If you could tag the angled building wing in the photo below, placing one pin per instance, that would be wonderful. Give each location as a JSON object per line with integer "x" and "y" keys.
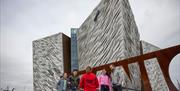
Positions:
{"x": 51, "y": 58}
{"x": 107, "y": 35}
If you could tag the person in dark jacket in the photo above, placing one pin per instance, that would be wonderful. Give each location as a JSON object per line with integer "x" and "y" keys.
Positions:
{"x": 89, "y": 81}
{"x": 117, "y": 78}
{"x": 62, "y": 84}
{"x": 74, "y": 80}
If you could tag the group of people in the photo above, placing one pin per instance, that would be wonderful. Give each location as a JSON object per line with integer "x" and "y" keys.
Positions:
{"x": 90, "y": 82}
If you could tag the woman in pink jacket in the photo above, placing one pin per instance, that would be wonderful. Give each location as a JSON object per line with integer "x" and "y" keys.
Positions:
{"x": 105, "y": 81}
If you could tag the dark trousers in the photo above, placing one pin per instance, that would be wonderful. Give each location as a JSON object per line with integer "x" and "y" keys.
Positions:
{"x": 73, "y": 89}
{"x": 117, "y": 88}
{"x": 104, "y": 88}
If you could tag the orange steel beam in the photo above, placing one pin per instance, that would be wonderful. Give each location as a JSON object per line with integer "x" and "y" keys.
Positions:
{"x": 164, "y": 57}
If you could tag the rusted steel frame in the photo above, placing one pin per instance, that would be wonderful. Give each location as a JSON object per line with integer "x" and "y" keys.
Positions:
{"x": 164, "y": 57}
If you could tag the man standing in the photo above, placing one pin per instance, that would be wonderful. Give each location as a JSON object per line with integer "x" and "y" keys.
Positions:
{"x": 117, "y": 78}
{"x": 62, "y": 84}
{"x": 89, "y": 81}
{"x": 74, "y": 81}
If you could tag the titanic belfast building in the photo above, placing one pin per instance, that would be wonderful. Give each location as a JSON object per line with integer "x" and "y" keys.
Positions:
{"x": 107, "y": 35}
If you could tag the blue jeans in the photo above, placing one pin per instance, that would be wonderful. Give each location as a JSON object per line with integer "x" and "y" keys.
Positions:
{"x": 73, "y": 89}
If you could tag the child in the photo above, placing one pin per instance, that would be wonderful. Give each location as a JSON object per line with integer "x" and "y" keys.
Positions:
{"x": 89, "y": 81}
{"x": 104, "y": 81}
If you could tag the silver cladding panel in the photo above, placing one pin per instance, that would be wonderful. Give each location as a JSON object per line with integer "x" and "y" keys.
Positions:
{"x": 47, "y": 62}
{"x": 153, "y": 69}
{"x": 109, "y": 34}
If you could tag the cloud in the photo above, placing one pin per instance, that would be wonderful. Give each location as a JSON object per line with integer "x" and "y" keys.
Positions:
{"x": 23, "y": 21}
{"x": 157, "y": 19}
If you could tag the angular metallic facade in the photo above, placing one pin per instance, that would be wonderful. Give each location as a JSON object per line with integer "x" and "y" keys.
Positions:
{"x": 153, "y": 69}
{"x": 110, "y": 34}
{"x": 51, "y": 57}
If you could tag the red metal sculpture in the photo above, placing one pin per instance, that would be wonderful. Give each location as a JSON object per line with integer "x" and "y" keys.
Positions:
{"x": 164, "y": 57}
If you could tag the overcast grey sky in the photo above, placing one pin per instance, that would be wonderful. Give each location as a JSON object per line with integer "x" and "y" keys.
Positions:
{"x": 22, "y": 21}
